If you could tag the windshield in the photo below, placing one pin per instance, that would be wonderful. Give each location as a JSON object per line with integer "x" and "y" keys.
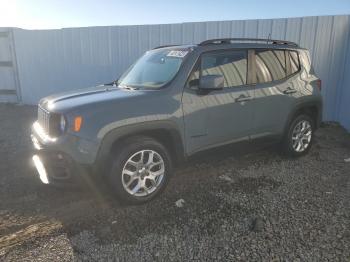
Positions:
{"x": 154, "y": 69}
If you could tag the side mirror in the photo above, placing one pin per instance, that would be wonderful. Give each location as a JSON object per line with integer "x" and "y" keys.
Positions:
{"x": 211, "y": 82}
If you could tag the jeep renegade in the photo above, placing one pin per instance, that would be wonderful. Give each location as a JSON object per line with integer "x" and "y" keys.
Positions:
{"x": 174, "y": 102}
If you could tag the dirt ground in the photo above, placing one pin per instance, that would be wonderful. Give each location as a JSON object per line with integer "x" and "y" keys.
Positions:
{"x": 246, "y": 205}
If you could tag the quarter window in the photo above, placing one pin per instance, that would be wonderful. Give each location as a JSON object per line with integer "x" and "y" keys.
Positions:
{"x": 231, "y": 65}
{"x": 294, "y": 61}
{"x": 270, "y": 65}
{"x": 193, "y": 81}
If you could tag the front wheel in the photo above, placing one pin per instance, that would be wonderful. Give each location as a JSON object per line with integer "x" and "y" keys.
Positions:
{"x": 299, "y": 136}
{"x": 140, "y": 170}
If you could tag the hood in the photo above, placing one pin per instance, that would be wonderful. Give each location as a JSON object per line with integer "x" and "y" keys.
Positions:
{"x": 69, "y": 100}
{"x": 76, "y": 93}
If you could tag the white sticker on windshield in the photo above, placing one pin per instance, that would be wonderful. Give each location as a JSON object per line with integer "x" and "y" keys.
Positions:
{"x": 177, "y": 53}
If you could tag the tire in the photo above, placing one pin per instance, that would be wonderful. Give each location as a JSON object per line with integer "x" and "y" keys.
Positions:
{"x": 127, "y": 167}
{"x": 290, "y": 144}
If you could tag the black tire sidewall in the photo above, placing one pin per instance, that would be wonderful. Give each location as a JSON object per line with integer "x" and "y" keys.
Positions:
{"x": 119, "y": 159}
{"x": 288, "y": 142}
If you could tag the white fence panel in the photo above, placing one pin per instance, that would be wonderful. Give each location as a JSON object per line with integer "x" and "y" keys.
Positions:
{"x": 51, "y": 61}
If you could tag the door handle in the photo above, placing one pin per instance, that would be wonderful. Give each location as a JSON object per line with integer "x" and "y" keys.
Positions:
{"x": 243, "y": 98}
{"x": 289, "y": 90}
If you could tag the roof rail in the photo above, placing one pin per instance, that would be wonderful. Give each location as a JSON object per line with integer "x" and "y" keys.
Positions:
{"x": 230, "y": 40}
{"x": 161, "y": 46}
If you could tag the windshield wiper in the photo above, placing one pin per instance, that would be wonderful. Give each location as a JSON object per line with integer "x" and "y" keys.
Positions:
{"x": 128, "y": 87}
{"x": 114, "y": 83}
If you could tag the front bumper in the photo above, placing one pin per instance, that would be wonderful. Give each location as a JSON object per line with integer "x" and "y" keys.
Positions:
{"x": 54, "y": 167}
{"x": 52, "y": 162}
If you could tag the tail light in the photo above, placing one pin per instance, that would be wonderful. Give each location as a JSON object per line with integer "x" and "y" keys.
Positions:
{"x": 319, "y": 84}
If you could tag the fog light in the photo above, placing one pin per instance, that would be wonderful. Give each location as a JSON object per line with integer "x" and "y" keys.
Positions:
{"x": 41, "y": 169}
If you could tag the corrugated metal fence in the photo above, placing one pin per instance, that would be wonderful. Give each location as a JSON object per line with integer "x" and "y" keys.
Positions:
{"x": 9, "y": 88}
{"x": 50, "y": 61}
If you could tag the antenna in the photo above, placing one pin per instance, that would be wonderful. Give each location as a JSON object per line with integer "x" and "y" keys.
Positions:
{"x": 268, "y": 38}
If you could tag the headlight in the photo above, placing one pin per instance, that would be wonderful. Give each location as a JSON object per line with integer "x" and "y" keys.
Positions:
{"x": 62, "y": 124}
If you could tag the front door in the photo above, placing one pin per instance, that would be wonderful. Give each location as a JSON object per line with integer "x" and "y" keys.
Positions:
{"x": 219, "y": 116}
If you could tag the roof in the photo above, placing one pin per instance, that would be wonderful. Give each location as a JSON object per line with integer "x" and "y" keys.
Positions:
{"x": 248, "y": 45}
{"x": 226, "y": 43}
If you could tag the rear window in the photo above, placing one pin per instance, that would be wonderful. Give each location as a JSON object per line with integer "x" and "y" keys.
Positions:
{"x": 270, "y": 65}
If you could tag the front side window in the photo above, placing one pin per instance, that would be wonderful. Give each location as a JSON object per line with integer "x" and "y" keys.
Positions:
{"x": 231, "y": 65}
{"x": 154, "y": 69}
{"x": 270, "y": 65}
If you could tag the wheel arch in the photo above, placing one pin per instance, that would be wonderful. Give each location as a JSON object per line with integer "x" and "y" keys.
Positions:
{"x": 312, "y": 109}
{"x": 164, "y": 132}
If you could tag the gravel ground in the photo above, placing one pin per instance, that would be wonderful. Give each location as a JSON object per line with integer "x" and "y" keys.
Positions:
{"x": 254, "y": 206}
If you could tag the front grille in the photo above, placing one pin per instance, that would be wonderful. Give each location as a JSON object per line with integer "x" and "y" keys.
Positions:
{"x": 44, "y": 119}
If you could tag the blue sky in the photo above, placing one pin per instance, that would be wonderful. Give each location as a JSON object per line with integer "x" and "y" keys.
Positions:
{"x": 43, "y": 14}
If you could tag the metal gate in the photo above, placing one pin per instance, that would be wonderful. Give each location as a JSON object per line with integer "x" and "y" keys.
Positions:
{"x": 9, "y": 85}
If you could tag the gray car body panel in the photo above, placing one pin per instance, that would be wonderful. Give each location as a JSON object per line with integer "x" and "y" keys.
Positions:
{"x": 196, "y": 121}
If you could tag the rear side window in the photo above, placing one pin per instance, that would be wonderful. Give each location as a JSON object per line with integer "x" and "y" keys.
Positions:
{"x": 231, "y": 65}
{"x": 270, "y": 65}
{"x": 294, "y": 61}
{"x": 305, "y": 61}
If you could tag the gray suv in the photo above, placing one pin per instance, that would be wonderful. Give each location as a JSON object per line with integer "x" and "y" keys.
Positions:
{"x": 172, "y": 103}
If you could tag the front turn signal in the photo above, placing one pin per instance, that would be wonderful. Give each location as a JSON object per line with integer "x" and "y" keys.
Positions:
{"x": 78, "y": 120}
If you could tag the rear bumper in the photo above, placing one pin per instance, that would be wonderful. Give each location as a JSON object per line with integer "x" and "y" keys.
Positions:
{"x": 319, "y": 116}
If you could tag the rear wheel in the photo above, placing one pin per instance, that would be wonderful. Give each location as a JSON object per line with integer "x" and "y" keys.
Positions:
{"x": 140, "y": 170}
{"x": 299, "y": 136}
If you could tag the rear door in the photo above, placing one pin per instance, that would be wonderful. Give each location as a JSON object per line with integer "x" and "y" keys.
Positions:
{"x": 276, "y": 90}
{"x": 220, "y": 116}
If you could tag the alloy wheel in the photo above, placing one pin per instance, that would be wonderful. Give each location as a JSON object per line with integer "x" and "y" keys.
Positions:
{"x": 143, "y": 173}
{"x": 301, "y": 136}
